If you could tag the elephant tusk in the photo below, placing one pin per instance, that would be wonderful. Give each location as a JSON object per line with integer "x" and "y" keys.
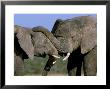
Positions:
{"x": 68, "y": 54}
{"x": 54, "y": 62}
{"x": 55, "y": 56}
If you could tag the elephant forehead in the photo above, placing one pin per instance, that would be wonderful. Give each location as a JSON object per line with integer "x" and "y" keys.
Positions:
{"x": 43, "y": 44}
{"x": 63, "y": 29}
{"x": 68, "y": 28}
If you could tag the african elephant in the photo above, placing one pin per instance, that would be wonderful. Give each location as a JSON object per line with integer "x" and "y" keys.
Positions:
{"x": 78, "y": 36}
{"x": 33, "y": 42}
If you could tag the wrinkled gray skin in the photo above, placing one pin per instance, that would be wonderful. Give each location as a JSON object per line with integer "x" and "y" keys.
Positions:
{"x": 78, "y": 36}
{"x": 33, "y": 42}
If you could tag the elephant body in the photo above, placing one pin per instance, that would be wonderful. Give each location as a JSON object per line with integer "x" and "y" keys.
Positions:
{"x": 79, "y": 33}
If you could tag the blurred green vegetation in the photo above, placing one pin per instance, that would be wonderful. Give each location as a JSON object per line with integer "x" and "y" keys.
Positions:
{"x": 36, "y": 66}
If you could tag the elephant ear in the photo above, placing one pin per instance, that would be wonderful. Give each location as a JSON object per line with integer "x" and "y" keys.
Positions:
{"x": 24, "y": 40}
{"x": 89, "y": 36}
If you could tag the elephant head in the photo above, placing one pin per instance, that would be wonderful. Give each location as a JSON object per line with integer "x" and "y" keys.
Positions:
{"x": 37, "y": 41}
{"x": 44, "y": 42}
{"x": 78, "y": 36}
{"x": 77, "y": 32}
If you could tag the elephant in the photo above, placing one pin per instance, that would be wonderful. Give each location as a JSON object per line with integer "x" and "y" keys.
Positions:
{"x": 78, "y": 38}
{"x": 34, "y": 42}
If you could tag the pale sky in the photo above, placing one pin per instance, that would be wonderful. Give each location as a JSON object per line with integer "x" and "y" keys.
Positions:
{"x": 46, "y": 20}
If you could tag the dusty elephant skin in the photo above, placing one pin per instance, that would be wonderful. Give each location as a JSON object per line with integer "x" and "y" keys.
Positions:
{"x": 78, "y": 33}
